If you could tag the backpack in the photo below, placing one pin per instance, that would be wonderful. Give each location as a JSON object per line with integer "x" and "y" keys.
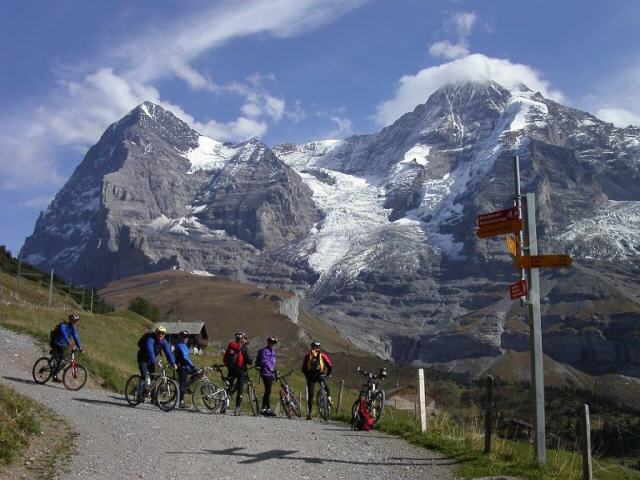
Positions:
{"x": 53, "y": 334}
{"x": 143, "y": 340}
{"x": 362, "y": 418}
{"x": 233, "y": 357}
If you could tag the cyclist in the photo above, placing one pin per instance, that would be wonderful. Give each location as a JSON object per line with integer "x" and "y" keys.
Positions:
{"x": 236, "y": 358}
{"x": 60, "y": 338}
{"x": 185, "y": 365}
{"x": 266, "y": 360}
{"x": 316, "y": 366}
{"x": 149, "y": 346}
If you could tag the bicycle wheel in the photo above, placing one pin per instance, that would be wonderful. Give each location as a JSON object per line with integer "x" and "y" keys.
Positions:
{"x": 167, "y": 393}
{"x": 42, "y": 370}
{"x": 74, "y": 377}
{"x": 355, "y": 415}
{"x": 253, "y": 400}
{"x": 132, "y": 392}
{"x": 295, "y": 405}
{"x": 377, "y": 405}
{"x": 206, "y": 397}
{"x": 323, "y": 404}
{"x": 286, "y": 404}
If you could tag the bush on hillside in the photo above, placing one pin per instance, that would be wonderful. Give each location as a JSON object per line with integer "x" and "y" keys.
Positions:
{"x": 144, "y": 307}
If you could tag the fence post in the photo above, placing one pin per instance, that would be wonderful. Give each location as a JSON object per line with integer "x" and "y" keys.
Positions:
{"x": 488, "y": 414}
{"x": 422, "y": 401}
{"x": 585, "y": 437}
{"x": 18, "y": 277}
{"x": 91, "y": 308}
{"x": 50, "y": 287}
{"x": 340, "y": 396}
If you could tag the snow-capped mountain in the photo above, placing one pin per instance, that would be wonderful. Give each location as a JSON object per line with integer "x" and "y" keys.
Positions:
{"x": 377, "y": 232}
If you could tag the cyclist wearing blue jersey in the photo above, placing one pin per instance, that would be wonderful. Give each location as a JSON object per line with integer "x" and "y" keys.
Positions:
{"x": 60, "y": 338}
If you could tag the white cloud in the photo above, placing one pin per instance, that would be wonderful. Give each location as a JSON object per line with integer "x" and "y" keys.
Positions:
{"x": 448, "y": 50}
{"x": 344, "y": 128}
{"x": 416, "y": 89}
{"x": 461, "y": 24}
{"x": 464, "y": 22}
{"x": 618, "y": 116}
{"x": 75, "y": 114}
{"x": 241, "y": 129}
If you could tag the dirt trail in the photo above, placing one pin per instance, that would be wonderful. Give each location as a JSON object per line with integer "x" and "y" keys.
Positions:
{"x": 116, "y": 441}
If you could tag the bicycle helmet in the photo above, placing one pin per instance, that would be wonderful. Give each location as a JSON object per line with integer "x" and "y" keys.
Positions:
{"x": 315, "y": 344}
{"x": 184, "y": 333}
{"x": 383, "y": 372}
{"x": 161, "y": 329}
{"x": 73, "y": 317}
{"x": 272, "y": 339}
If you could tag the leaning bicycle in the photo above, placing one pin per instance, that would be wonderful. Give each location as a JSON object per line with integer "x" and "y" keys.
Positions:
{"x": 288, "y": 400}
{"x": 74, "y": 374}
{"x": 207, "y": 396}
{"x": 373, "y": 395}
{"x": 164, "y": 391}
{"x": 322, "y": 399}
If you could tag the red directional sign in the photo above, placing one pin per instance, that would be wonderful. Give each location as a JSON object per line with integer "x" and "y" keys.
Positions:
{"x": 498, "y": 216}
{"x": 501, "y": 228}
{"x": 518, "y": 289}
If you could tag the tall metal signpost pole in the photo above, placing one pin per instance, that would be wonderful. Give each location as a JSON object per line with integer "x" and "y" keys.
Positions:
{"x": 535, "y": 323}
{"x": 522, "y": 242}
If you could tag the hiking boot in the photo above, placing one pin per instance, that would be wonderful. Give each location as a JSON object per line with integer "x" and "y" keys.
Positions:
{"x": 183, "y": 405}
{"x": 272, "y": 413}
{"x": 56, "y": 380}
{"x": 309, "y": 416}
{"x": 236, "y": 412}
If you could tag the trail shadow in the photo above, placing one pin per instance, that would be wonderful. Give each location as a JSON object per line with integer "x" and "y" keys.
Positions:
{"x": 27, "y": 381}
{"x": 290, "y": 455}
{"x": 122, "y": 403}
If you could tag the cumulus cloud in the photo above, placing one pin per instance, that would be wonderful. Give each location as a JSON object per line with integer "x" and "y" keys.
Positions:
{"x": 75, "y": 114}
{"x": 618, "y": 116}
{"x": 344, "y": 127}
{"x": 460, "y": 25}
{"x": 416, "y": 89}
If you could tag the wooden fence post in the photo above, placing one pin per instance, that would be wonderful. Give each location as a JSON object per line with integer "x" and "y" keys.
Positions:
{"x": 585, "y": 441}
{"x": 488, "y": 414}
{"x": 340, "y": 396}
{"x": 422, "y": 401}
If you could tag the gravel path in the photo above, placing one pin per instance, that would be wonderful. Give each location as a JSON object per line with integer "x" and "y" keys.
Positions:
{"x": 116, "y": 441}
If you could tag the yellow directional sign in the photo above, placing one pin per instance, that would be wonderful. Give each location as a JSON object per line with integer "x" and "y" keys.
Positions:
{"x": 512, "y": 245}
{"x": 543, "y": 261}
{"x": 502, "y": 228}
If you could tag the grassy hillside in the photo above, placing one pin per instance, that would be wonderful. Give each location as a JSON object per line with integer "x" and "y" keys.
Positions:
{"x": 227, "y": 307}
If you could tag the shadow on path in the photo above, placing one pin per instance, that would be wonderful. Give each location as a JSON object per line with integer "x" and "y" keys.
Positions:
{"x": 289, "y": 455}
{"x": 27, "y": 381}
{"x": 103, "y": 402}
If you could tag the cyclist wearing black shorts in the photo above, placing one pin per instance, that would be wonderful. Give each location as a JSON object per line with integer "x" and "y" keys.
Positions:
{"x": 186, "y": 367}
{"x": 60, "y": 338}
{"x": 149, "y": 346}
{"x": 316, "y": 366}
{"x": 236, "y": 358}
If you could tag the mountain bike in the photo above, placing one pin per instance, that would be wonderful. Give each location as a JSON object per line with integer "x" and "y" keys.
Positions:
{"x": 288, "y": 400}
{"x": 207, "y": 397}
{"x": 163, "y": 390}
{"x": 251, "y": 390}
{"x": 74, "y": 374}
{"x": 322, "y": 399}
{"x": 373, "y": 395}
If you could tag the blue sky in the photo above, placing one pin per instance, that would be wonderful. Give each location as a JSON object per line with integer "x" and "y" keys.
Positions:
{"x": 281, "y": 70}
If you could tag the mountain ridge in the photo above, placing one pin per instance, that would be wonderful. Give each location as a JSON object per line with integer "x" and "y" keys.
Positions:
{"x": 378, "y": 230}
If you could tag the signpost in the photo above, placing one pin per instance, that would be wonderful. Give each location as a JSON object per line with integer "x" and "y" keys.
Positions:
{"x": 512, "y": 244}
{"x": 543, "y": 261}
{"x": 501, "y": 228}
{"x": 498, "y": 216}
{"x": 518, "y": 289}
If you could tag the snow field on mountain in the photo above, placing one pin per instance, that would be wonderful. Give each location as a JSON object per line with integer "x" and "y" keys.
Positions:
{"x": 613, "y": 233}
{"x": 353, "y": 210}
{"x": 209, "y": 154}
